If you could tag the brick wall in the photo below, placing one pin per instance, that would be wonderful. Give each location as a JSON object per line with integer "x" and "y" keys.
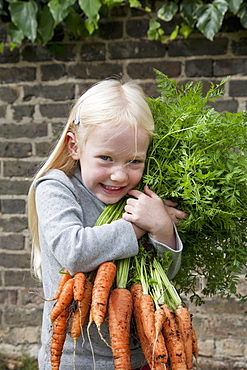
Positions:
{"x": 37, "y": 87}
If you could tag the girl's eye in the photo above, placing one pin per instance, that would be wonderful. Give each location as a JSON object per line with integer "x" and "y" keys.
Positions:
{"x": 135, "y": 161}
{"x": 105, "y": 158}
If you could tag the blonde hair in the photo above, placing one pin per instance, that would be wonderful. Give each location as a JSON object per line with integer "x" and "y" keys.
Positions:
{"x": 108, "y": 102}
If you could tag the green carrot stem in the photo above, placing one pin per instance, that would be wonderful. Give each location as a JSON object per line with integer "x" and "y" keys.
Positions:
{"x": 61, "y": 271}
{"x": 111, "y": 213}
{"x": 122, "y": 272}
{"x": 176, "y": 300}
{"x": 144, "y": 277}
{"x": 161, "y": 294}
{"x": 157, "y": 288}
{"x": 140, "y": 272}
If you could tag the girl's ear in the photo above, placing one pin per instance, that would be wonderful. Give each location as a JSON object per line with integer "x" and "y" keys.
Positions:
{"x": 72, "y": 146}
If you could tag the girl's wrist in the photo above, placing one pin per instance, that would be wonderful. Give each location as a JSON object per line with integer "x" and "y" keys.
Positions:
{"x": 138, "y": 231}
{"x": 167, "y": 238}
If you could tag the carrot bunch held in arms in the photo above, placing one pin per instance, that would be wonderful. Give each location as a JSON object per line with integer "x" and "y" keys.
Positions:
{"x": 164, "y": 326}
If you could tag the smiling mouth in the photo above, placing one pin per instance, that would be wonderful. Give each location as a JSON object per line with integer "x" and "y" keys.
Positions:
{"x": 112, "y": 189}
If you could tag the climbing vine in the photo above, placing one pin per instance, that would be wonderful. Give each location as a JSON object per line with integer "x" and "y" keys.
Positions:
{"x": 37, "y": 20}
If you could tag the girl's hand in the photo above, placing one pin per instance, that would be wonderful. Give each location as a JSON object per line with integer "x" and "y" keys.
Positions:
{"x": 148, "y": 212}
{"x": 174, "y": 213}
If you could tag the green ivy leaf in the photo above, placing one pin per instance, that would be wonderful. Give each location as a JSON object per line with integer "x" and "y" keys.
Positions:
{"x": 74, "y": 22}
{"x": 60, "y": 9}
{"x": 135, "y": 4}
{"x": 91, "y": 9}
{"x": 174, "y": 33}
{"x": 12, "y": 45}
{"x": 92, "y": 24}
{"x": 188, "y": 9}
{"x": 234, "y": 5}
{"x": 1, "y": 47}
{"x": 16, "y": 34}
{"x": 46, "y": 24}
{"x": 111, "y": 3}
{"x": 243, "y": 15}
{"x": 185, "y": 31}
{"x": 23, "y": 15}
{"x": 167, "y": 11}
{"x": 210, "y": 17}
{"x": 153, "y": 31}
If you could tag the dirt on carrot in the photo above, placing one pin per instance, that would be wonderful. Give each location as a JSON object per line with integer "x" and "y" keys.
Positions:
{"x": 156, "y": 339}
{"x": 137, "y": 291}
{"x": 101, "y": 288}
{"x": 60, "y": 326}
{"x": 183, "y": 319}
{"x": 75, "y": 325}
{"x": 85, "y": 304}
{"x": 173, "y": 339}
{"x": 194, "y": 344}
{"x": 64, "y": 300}
{"x": 79, "y": 284}
{"x": 119, "y": 319}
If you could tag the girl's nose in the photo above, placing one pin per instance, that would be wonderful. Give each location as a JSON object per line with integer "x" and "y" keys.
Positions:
{"x": 119, "y": 174}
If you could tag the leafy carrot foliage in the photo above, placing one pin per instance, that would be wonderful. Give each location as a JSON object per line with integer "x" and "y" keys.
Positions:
{"x": 198, "y": 158}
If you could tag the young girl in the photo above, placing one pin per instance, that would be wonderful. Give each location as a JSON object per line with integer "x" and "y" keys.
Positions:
{"x": 99, "y": 159}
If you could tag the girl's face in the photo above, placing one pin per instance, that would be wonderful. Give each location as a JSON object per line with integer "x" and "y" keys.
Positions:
{"x": 112, "y": 161}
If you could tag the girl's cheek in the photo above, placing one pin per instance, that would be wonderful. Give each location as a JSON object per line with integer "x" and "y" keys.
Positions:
{"x": 137, "y": 176}
{"x": 103, "y": 174}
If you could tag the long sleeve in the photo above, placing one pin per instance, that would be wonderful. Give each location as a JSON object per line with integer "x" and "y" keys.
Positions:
{"x": 175, "y": 254}
{"x": 66, "y": 231}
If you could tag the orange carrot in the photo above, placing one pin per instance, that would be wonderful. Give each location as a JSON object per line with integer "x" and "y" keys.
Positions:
{"x": 147, "y": 313}
{"x": 79, "y": 316}
{"x": 173, "y": 341}
{"x": 84, "y": 304}
{"x": 79, "y": 282}
{"x": 119, "y": 319}
{"x": 183, "y": 318}
{"x": 75, "y": 325}
{"x": 58, "y": 338}
{"x": 136, "y": 291}
{"x": 102, "y": 284}
{"x": 64, "y": 277}
{"x": 159, "y": 319}
{"x": 194, "y": 344}
{"x": 64, "y": 300}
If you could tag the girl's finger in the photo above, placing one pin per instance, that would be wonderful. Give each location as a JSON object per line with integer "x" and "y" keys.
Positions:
{"x": 175, "y": 213}
{"x": 128, "y": 208}
{"x": 170, "y": 203}
{"x": 181, "y": 214}
{"x": 135, "y": 193}
{"x": 150, "y": 192}
{"x": 131, "y": 201}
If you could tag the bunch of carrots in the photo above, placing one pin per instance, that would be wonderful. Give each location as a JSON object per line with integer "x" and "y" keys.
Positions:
{"x": 70, "y": 312}
{"x": 131, "y": 289}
